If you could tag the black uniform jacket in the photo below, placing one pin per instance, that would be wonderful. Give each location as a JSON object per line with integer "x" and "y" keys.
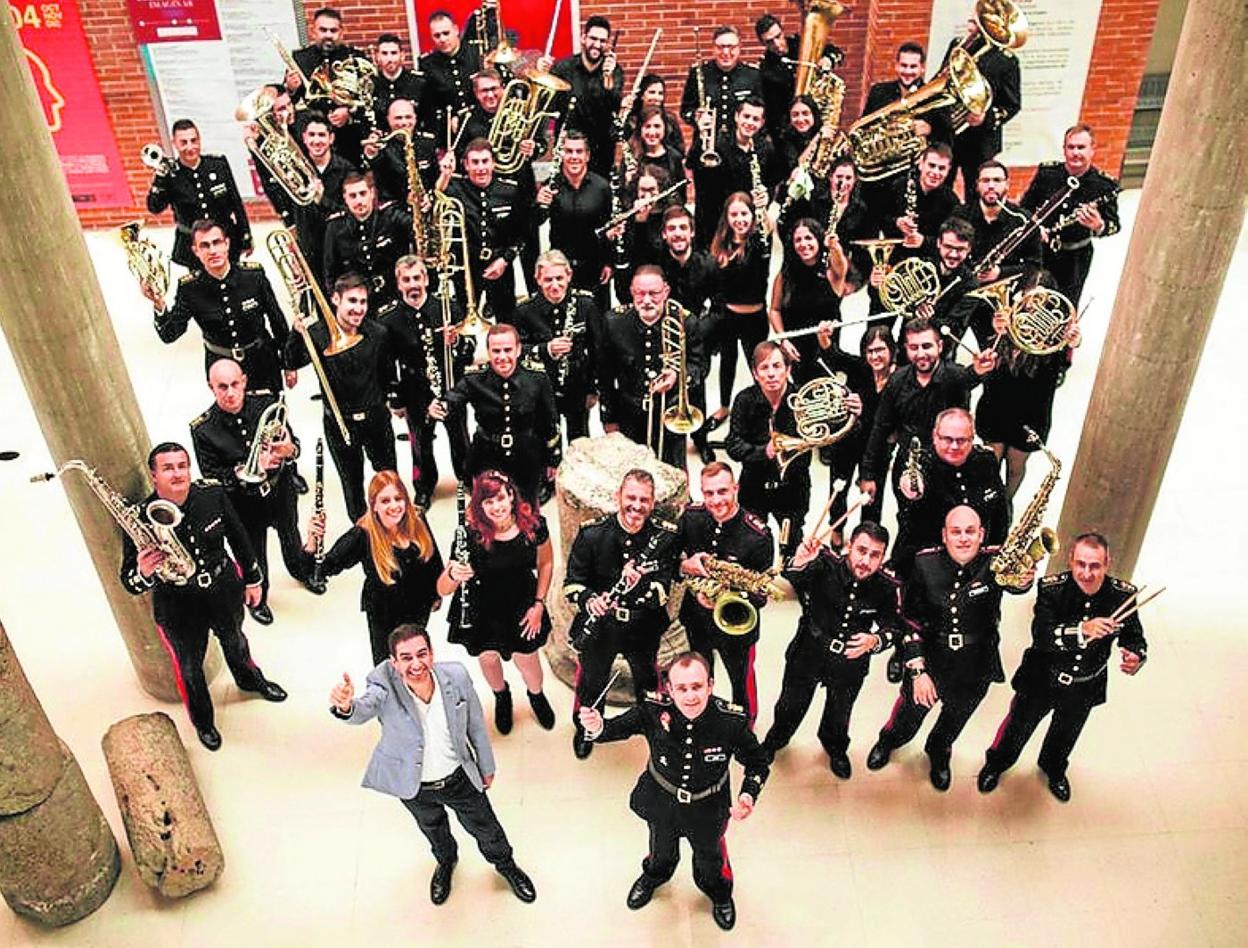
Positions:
{"x": 233, "y": 312}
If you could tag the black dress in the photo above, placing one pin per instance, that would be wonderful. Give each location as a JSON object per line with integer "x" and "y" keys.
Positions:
{"x": 409, "y": 598}
{"x": 503, "y": 587}
{"x": 807, "y": 300}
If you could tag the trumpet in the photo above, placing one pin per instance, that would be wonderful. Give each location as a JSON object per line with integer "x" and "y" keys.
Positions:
{"x": 306, "y": 296}
{"x": 730, "y": 585}
{"x": 706, "y": 136}
{"x": 269, "y": 428}
{"x": 526, "y": 104}
{"x": 155, "y": 158}
{"x": 274, "y": 147}
{"x": 144, "y": 258}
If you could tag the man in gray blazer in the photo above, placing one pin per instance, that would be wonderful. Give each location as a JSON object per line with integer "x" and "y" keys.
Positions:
{"x": 434, "y": 753}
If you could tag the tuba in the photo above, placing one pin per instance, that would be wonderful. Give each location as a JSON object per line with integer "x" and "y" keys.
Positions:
{"x": 681, "y": 418}
{"x": 822, "y": 415}
{"x": 820, "y": 16}
{"x": 525, "y": 105}
{"x": 730, "y": 585}
{"x": 149, "y": 528}
{"x": 274, "y": 147}
{"x": 1002, "y": 25}
{"x": 144, "y": 258}
{"x": 885, "y": 142}
{"x": 1029, "y": 542}
{"x": 1040, "y": 322}
{"x": 269, "y": 428}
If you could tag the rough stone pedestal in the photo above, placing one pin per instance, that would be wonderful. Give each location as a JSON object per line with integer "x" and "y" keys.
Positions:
{"x": 585, "y": 489}
{"x": 175, "y": 847}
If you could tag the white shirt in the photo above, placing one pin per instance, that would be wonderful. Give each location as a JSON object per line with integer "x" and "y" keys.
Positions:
{"x": 440, "y": 759}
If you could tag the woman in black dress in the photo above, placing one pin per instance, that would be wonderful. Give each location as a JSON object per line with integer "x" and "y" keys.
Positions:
{"x": 400, "y": 559}
{"x": 653, "y": 92}
{"x": 648, "y": 146}
{"x": 506, "y": 578}
{"x": 805, "y": 294}
{"x": 804, "y": 120}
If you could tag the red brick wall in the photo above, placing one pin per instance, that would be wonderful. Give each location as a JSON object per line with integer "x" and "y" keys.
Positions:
{"x": 869, "y": 35}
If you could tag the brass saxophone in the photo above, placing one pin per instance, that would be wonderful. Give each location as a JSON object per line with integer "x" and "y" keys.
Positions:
{"x": 729, "y": 585}
{"x": 1029, "y": 542}
{"x": 423, "y": 231}
{"x": 149, "y": 528}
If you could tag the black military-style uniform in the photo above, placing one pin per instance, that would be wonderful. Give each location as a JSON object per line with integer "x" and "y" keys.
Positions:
{"x": 733, "y": 173}
{"x": 976, "y": 144}
{"x": 685, "y": 788}
{"x": 369, "y": 247}
{"x": 310, "y": 220}
{"x": 211, "y": 600}
{"x": 415, "y": 338}
{"x": 1068, "y": 254}
{"x": 494, "y": 218}
{"x": 448, "y": 82}
{"x": 836, "y": 606}
{"x": 764, "y": 491}
{"x": 572, "y": 376}
{"x": 596, "y": 107}
{"x": 724, "y": 91}
{"x": 313, "y": 57}
{"x": 205, "y": 192}
{"x": 630, "y": 358}
{"x": 517, "y": 424}
{"x": 975, "y": 484}
{"x": 239, "y": 317}
{"x": 389, "y": 167}
{"x": 1062, "y": 672}
{"x": 743, "y": 539}
{"x": 634, "y": 625}
{"x": 953, "y": 612}
{"x": 575, "y": 214}
{"x": 406, "y": 84}
{"x": 222, "y": 441}
{"x": 362, "y": 381}
{"x": 990, "y": 233}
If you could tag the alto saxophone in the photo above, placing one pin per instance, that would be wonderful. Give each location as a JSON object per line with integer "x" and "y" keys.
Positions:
{"x": 729, "y": 585}
{"x": 148, "y": 528}
{"x": 1029, "y": 541}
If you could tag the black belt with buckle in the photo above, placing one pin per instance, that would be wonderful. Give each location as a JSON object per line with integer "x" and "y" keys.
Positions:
{"x": 680, "y": 793}
{"x": 486, "y": 254}
{"x": 505, "y": 441}
{"x": 231, "y": 352}
{"x": 439, "y": 784}
{"x": 1066, "y": 679}
{"x": 204, "y": 578}
{"x": 956, "y": 641}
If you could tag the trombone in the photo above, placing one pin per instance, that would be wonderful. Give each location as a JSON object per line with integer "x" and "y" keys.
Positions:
{"x": 449, "y": 223}
{"x": 306, "y": 296}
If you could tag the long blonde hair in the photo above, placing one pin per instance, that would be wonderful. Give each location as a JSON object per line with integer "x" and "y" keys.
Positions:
{"x": 381, "y": 541}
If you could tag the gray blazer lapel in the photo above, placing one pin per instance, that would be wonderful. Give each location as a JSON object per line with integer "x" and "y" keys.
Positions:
{"x": 399, "y": 687}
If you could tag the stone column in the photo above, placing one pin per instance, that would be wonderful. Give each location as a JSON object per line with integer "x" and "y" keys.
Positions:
{"x": 1190, "y": 217}
{"x": 62, "y": 341}
{"x": 58, "y": 858}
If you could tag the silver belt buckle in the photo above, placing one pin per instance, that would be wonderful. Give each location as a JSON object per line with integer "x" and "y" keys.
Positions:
{"x": 683, "y": 795}
{"x": 487, "y": 253}
{"x": 1065, "y": 678}
{"x": 378, "y": 284}
{"x": 238, "y": 354}
{"x": 836, "y": 646}
{"x": 358, "y": 416}
{"x": 506, "y": 440}
{"x": 266, "y": 488}
{"x": 955, "y": 642}
{"x": 203, "y": 580}
{"x": 620, "y": 614}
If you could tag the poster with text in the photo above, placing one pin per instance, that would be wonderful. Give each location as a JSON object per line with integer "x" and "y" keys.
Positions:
{"x": 171, "y": 21}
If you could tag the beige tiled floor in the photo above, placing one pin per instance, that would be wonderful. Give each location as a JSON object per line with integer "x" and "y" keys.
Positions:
{"x": 1153, "y": 850}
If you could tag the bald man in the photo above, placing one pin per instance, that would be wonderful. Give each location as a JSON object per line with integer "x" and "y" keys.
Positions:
{"x": 951, "y": 653}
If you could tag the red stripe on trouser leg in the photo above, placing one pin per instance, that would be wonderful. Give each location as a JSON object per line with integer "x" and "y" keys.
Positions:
{"x": 576, "y": 691}
{"x": 177, "y": 666}
{"x": 725, "y": 871}
{"x": 888, "y": 725}
{"x": 1004, "y": 723}
{"x": 751, "y": 687}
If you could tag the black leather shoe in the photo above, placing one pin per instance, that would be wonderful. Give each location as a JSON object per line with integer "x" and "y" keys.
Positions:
{"x": 940, "y": 775}
{"x": 707, "y": 454}
{"x": 988, "y": 780}
{"x": 261, "y": 613}
{"x": 210, "y": 737}
{"x": 271, "y": 691}
{"x": 641, "y": 893}
{"x": 840, "y": 765}
{"x": 894, "y": 668}
{"x": 503, "y": 710}
{"x": 725, "y": 914}
{"x": 580, "y": 746}
{"x": 878, "y": 758}
{"x": 300, "y": 484}
{"x": 1060, "y": 788}
{"x": 542, "y": 710}
{"x": 519, "y": 881}
{"x": 316, "y": 586}
{"x": 440, "y": 884}
{"x": 715, "y": 422}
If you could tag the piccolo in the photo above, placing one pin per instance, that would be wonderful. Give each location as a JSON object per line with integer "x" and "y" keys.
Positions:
{"x": 639, "y": 206}
{"x": 811, "y": 330}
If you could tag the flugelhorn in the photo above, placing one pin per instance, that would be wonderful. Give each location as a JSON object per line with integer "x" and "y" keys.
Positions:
{"x": 155, "y": 158}
{"x": 144, "y": 258}
{"x": 270, "y": 427}
{"x": 274, "y": 147}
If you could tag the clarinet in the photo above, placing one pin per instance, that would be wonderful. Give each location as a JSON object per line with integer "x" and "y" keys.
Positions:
{"x": 318, "y": 508}
{"x": 556, "y": 151}
{"x": 460, "y": 553}
{"x": 570, "y": 330}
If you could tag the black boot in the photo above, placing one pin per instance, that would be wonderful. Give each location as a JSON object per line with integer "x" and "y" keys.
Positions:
{"x": 542, "y": 710}
{"x": 502, "y": 710}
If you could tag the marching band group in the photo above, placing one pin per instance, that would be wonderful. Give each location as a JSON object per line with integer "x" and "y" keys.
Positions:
{"x": 407, "y": 196}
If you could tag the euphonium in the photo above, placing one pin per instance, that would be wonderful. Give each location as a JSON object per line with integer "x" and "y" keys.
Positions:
{"x": 144, "y": 258}
{"x": 274, "y": 147}
{"x": 729, "y": 585}
{"x": 822, "y": 415}
{"x": 1002, "y": 25}
{"x": 270, "y": 427}
{"x": 149, "y": 528}
{"x": 1040, "y": 322}
{"x": 1029, "y": 541}
{"x": 525, "y": 105}
{"x": 885, "y": 142}
{"x": 681, "y": 418}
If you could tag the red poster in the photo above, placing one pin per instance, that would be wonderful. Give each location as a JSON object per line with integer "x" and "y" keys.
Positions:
{"x": 529, "y": 20}
{"x": 169, "y": 21}
{"x": 56, "y": 50}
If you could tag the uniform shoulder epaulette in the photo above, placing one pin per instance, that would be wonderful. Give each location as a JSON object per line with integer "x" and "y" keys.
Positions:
{"x": 1050, "y": 164}
{"x": 664, "y": 524}
{"x": 476, "y": 369}
{"x": 335, "y": 216}
{"x": 725, "y": 705}
{"x": 250, "y": 265}
{"x": 527, "y": 298}
{"x": 208, "y": 482}
{"x": 1122, "y": 585}
{"x": 887, "y": 573}
{"x": 533, "y": 362}
{"x": 994, "y": 548}
{"x": 754, "y": 523}
{"x": 1057, "y": 579}
{"x": 929, "y": 551}
{"x": 620, "y": 310}
{"x": 196, "y": 422}
{"x": 189, "y": 277}
{"x": 750, "y": 65}
{"x": 695, "y": 505}
{"x": 512, "y": 181}
{"x": 261, "y": 391}
{"x": 576, "y": 291}
{"x": 213, "y": 157}
{"x": 658, "y": 697}
{"x": 597, "y": 521}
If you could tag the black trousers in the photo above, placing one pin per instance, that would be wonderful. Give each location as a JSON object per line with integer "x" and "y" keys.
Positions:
{"x": 372, "y": 436}
{"x": 786, "y": 499}
{"x": 712, "y": 872}
{"x": 573, "y": 410}
{"x": 424, "y": 464}
{"x": 1069, "y": 269}
{"x": 472, "y": 809}
{"x": 259, "y": 363}
{"x": 737, "y": 329}
{"x": 279, "y": 510}
{"x": 735, "y": 651}
{"x": 184, "y": 619}
{"x": 638, "y": 643}
{"x": 1027, "y": 710}
{"x": 805, "y": 669}
{"x": 633, "y": 425}
{"x": 956, "y": 707}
